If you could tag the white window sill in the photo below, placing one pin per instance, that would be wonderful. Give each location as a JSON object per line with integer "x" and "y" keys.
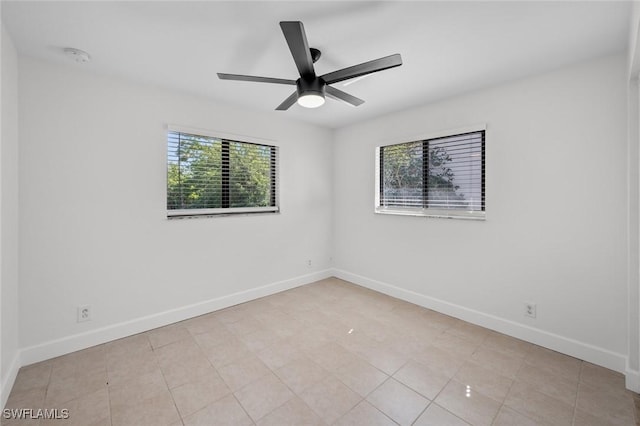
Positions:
{"x": 198, "y": 213}
{"x": 443, "y": 214}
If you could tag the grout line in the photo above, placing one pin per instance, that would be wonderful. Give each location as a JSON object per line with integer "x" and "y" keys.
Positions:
{"x": 575, "y": 401}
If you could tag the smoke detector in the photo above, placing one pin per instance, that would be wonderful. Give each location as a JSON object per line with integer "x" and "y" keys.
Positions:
{"x": 77, "y": 55}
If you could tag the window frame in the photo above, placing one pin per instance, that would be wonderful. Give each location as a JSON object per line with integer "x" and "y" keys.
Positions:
{"x": 425, "y": 211}
{"x": 223, "y": 211}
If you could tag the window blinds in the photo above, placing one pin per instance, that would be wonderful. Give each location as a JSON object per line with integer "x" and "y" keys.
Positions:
{"x": 446, "y": 173}
{"x": 208, "y": 175}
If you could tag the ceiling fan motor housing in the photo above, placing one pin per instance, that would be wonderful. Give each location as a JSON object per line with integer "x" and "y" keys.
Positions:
{"x": 314, "y": 86}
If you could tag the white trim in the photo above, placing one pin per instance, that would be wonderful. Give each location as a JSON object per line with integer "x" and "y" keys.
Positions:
{"x": 65, "y": 345}
{"x": 632, "y": 380}
{"x": 438, "y": 213}
{"x": 10, "y": 378}
{"x": 434, "y": 135}
{"x": 219, "y": 135}
{"x": 566, "y": 345}
{"x": 226, "y": 211}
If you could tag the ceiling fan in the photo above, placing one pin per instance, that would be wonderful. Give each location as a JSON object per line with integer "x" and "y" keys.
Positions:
{"x": 310, "y": 88}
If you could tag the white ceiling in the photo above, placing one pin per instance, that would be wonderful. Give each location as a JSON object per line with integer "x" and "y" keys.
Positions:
{"x": 448, "y": 48}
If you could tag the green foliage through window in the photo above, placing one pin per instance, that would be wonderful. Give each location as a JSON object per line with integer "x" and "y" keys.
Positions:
{"x": 443, "y": 173}
{"x": 212, "y": 174}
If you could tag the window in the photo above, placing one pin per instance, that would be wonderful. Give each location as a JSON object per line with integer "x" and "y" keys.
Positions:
{"x": 208, "y": 176}
{"x": 441, "y": 177}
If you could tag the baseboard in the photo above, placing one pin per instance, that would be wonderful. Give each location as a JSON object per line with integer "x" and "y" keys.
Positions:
{"x": 565, "y": 345}
{"x": 90, "y": 338}
{"x": 9, "y": 379}
{"x": 632, "y": 380}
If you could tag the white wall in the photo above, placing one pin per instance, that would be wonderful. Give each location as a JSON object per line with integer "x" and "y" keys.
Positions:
{"x": 92, "y": 204}
{"x": 556, "y": 199}
{"x": 633, "y": 128}
{"x": 8, "y": 217}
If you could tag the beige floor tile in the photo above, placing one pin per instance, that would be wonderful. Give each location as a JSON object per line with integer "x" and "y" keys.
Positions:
{"x": 309, "y": 339}
{"x": 422, "y": 379}
{"x": 261, "y": 397}
{"x": 509, "y": 417}
{"x": 612, "y": 407}
{"x": 332, "y": 356}
{"x": 239, "y": 374}
{"x": 507, "y": 344}
{"x": 365, "y": 414}
{"x": 129, "y": 393}
{"x": 545, "y": 381}
{"x": 300, "y": 374}
{"x": 201, "y": 324}
{"x": 32, "y": 377}
{"x": 224, "y": 412}
{"x": 186, "y": 370}
{"x": 378, "y": 330}
{"x": 93, "y": 358}
{"x": 499, "y": 362}
{"x": 232, "y": 350}
{"x": 355, "y": 341}
{"x": 582, "y": 418}
{"x": 143, "y": 401}
{"x": 232, "y": 314}
{"x": 408, "y": 344}
{"x": 122, "y": 369}
{"x": 69, "y": 387}
{"x": 485, "y": 381}
{"x": 360, "y": 376}
{"x": 316, "y": 318}
{"x": 32, "y": 398}
{"x": 164, "y": 335}
{"x": 292, "y": 413}
{"x": 595, "y": 375}
{"x": 215, "y": 336}
{"x": 244, "y": 326}
{"x": 555, "y": 362}
{"x": 288, "y": 329}
{"x": 279, "y": 354}
{"x": 127, "y": 347}
{"x": 435, "y": 415}
{"x": 538, "y": 406}
{"x": 333, "y": 343}
{"x": 88, "y": 410}
{"x": 397, "y": 401}
{"x": 22, "y": 422}
{"x": 384, "y": 359}
{"x": 456, "y": 345}
{"x": 194, "y": 396}
{"x": 468, "y": 404}
{"x": 330, "y": 399}
{"x": 468, "y": 331}
{"x": 259, "y": 339}
{"x": 178, "y": 351}
{"x": 438, "y": 360}
{"x": 437, "y": 320}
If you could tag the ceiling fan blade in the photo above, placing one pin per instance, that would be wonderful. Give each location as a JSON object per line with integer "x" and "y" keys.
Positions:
{"x": 339, "y": 95}
{"x": 363, "y": 69}
{"x": 297, "y": 40}
{"x": 239, "y": 77}
{"x": 288, "y": 102}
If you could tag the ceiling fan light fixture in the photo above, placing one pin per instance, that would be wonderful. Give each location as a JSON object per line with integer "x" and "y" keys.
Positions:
{"x": 310, "y": 92}
{"x": 311, "y": 100}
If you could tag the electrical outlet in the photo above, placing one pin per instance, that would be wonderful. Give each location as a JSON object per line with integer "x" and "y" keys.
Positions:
{"x": 309, "y": 263}
{"x": 529, "y": 309}
{"x": 84, "y": 313}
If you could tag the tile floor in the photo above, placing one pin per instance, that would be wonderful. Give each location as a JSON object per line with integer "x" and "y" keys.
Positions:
{"x": 325, "y": 353}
